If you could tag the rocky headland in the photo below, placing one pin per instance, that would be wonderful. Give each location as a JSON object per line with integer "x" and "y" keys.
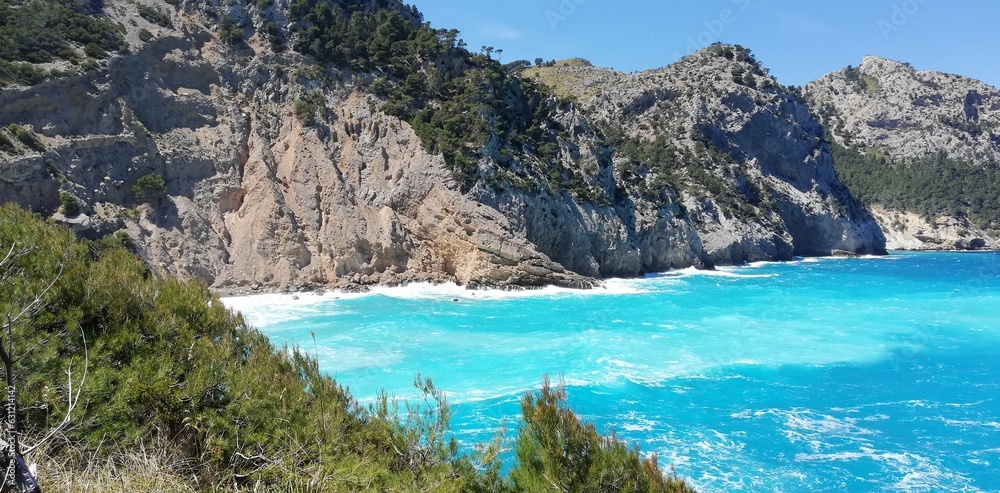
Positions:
{"x": 708, "y": 161}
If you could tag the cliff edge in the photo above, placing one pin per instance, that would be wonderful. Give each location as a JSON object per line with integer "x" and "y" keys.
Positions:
{"x": 226, "y": 149}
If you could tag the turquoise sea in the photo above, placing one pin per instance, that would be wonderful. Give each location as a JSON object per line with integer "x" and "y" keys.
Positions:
{"x": 870, "y": 374}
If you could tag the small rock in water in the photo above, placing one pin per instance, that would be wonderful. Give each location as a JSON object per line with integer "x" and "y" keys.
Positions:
{"x": 843, "y": 253}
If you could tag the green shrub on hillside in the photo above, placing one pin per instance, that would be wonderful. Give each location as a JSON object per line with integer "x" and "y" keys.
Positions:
{"x": 230, "y": 31}
{"x": 307, "y": 106}
{"x": 42, "y": 31}
{"x": 154, "y": 15}
{"x": 7, "y": 145}
{"x": 936, "y": 185}
{"x": 149, "y": 187}
{"x": 455, "y": 100}
{"x": 180, "y": 391}
{"x": 558, "y": 452}
{"x": 169, "y": 365}
{"x": 27, "y": 137}
{"x": 21, "y": 73}
{"x": 69, "y": 206}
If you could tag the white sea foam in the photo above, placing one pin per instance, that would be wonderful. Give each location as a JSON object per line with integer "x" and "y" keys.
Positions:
{"x": 283, "y": 300}
{"x": 968, "y": 423}
{"x": 720, "y": 459}
{"x": 427, "y": 291}
{"x": 736, "y": 274}
{"x": 616, "y": 286}
{"x": 964, "y": 404}
{"x": 267, "y": 310}
{"x": 722, "y": 271}
{"x": 634, "y": 421}
{"x": 514, "y": 391}
{"x": 800, "y": 426}
{"x": 481, "y": 395}
{"x": 926, "y": 477}
{"x": 919, "y": 474}
{"x": 255, "y": 305}
{"x": 636, "y": 427}
{"x": 863, "y": 453}
{"x": 637, "y": 373}
{"x": 430, "y": 291}
{"x": 576, "y": 382}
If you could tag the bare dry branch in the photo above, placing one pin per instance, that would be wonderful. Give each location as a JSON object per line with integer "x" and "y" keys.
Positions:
{"x": 35, "y": 303}
{"x": 72, "y": 400}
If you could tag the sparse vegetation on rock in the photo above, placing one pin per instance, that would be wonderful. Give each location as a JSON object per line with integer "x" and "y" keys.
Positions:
{"x": 26, "y": 137}
{"x": 149, "y": 187}
{"x": 70, "y": 206}
{"x": 42, "y": 31}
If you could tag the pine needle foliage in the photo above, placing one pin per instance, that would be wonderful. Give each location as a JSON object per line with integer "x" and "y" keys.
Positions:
{"x": 180, "y": 394}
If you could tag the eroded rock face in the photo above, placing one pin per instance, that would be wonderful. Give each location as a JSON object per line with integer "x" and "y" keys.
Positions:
{"x": 909, "y": 114}
{"x": 760, "y": 147}
{"x": 255, "y": 197}
{"x": 909, "y": 231}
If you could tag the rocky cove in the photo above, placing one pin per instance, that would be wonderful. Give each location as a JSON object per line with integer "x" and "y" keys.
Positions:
{"x": 420, "y": 206}
{"x": 256, "y": 195}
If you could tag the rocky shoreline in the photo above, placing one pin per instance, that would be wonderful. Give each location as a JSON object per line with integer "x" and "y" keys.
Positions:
{"x": 353, "y": 287}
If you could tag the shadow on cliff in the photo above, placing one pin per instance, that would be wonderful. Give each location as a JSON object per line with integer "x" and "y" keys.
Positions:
{"x": 166, "y": 86}
{"x": 164, "y": 214}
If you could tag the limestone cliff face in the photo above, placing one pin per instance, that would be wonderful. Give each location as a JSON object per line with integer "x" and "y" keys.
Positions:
{"x": 889, "y": 109}
{"x": 755, "y": 177}
{"x": 255, "y": 197}
{"x": 908, "y": 231}
{"x": 909, "y": 114}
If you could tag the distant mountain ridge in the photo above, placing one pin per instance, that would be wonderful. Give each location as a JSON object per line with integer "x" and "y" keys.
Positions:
{"x": 921, "y": 148}
{"x": 908, "y": 114}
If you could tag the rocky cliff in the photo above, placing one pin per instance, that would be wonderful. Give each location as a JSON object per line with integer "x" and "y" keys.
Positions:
{"x": 909, "y": 114}
{"x": 903, "y": 118}
{"x": 744, "y": 156}
{"x": 258, "y": 194}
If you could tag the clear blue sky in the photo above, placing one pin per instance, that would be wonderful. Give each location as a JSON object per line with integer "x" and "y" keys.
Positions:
{"x": 799, "y": 40}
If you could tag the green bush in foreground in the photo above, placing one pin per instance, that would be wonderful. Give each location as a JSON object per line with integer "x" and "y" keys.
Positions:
{"x": 181, "y": 395}
{"x": 558, "y": 452}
